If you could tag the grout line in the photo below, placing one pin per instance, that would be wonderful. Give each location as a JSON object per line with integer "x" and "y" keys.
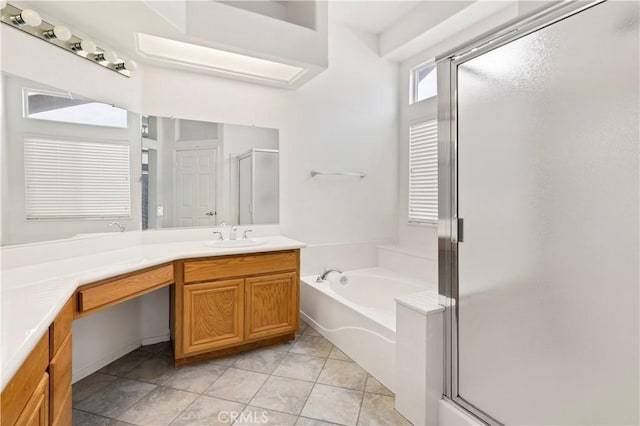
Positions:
{"x": 100, "y": 415}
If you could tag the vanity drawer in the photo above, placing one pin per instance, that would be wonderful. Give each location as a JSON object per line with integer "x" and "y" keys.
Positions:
{"x": 109, "y": 292}
{"x": 237, "y": 266}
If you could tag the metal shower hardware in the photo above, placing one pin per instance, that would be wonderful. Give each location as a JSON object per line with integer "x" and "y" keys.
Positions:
{"x": 361, "y": 175}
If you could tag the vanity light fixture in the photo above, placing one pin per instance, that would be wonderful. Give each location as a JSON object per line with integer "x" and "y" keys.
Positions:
{"x": 108, "y": 56}
{"x": 86, "y": 46}
{"x": 27, "y": 17}
{"x": 59, "y": 32}
{"x": 30, "y": 22}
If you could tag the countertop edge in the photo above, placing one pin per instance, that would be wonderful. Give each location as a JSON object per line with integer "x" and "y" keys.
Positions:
{"x": 9, "y": 367}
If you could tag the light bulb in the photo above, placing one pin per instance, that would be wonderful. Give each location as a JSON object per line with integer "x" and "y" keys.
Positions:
{"x": 31, "y": 17}
{"x": 110, "y": 56}
{"x": 130, "y": 65}
{"x": 88, "y": 46}
{"x": 61, "y": 33}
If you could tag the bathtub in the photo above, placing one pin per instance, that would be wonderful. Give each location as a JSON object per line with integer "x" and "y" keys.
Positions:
{"x": 360, "y": 317}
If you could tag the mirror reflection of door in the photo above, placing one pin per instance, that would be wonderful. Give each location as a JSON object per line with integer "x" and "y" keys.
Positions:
{"x": 195, "y": 185}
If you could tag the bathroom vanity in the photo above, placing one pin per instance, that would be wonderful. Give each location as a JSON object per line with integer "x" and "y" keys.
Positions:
{"x": 223, "y": 301}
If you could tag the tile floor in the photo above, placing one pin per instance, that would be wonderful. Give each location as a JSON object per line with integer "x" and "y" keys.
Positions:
{"x": 305, "y": 382}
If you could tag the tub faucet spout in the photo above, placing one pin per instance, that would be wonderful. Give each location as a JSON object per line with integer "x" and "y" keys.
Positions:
{"x": 326, "y": 272}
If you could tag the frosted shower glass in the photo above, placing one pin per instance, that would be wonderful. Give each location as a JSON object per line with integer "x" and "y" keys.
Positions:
{"x": 548, "y": 186}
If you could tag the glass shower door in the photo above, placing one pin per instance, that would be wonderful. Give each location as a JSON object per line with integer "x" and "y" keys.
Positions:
{"x": 548, "y": 185}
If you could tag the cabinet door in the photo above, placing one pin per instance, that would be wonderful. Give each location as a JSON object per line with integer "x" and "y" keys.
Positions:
{"x": 213, "y": 315}
{"x": 36, "y": 412}
{"x": 271, "y": 305}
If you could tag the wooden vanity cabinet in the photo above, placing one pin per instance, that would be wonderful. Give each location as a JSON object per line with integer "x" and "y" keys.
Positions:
{"x": 40, "y": 391}
{"x": 60, "y": 344}
{"x": 228, "y": 304}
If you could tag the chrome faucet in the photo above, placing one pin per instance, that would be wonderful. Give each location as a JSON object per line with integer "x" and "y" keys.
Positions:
{"x": 219, "y": 235}
{"x": 232, "y": 232}
{"x": 244, "y": 234}
{"x": 119, "y": 225}
{"x": 326, "y": 272}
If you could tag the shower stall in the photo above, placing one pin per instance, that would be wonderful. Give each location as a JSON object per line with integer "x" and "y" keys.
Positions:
{"x": 258, "y": 187}
{"x": 539, "y": 218}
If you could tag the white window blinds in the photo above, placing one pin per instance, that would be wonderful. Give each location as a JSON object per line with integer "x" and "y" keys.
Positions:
{"x": 423, "y": 172}
{"x": 74, "y": 180}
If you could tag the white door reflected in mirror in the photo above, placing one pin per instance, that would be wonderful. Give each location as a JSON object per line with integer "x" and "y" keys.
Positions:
{"x": 201, "y": 174}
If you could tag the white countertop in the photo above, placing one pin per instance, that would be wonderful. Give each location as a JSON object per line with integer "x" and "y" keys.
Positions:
{"x": 31, "y": 296}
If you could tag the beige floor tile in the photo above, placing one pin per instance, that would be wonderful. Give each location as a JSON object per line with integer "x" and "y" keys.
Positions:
{"x": 193, "y": 378}
{"x": 209, "y": 411}
{"x": 116, "y": 398}
{"x": 90, "y": 385}
{"x": 345, "y": 374}
{"x": 303, "y": 326}
{"x": 378, "y": 410}
{"x": 312, "y": 345}
{"x": 283, "y": 347}
{"x": 261, "y": 416}
{"x": 237, "y": 385}
{"x": 304, "y": 421}
{"x": 332, "y": 404}
{"x": 338, "y": 354}
{"x": 80, "y": 418}
{"x": 158, "y": 407}
{"x": 302, "y": 367}
{"x": 156, "y": 348}
{"x": 226, "y": 361}
{"x": 125, "y": 364}
{"x": 152, "y": 370}
{"x": 282, "y": 394}
{"x": 262, "y": 361}
{"x": 310, "y": 331}
{"x": 375, "y": 386}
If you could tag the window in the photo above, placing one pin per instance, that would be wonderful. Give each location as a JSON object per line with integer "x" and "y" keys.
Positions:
{"x": 67, "y": 108}
{"x": 423, "y": 172}
{"x": 76, "y": 180}
{"x": 424, "y": 82}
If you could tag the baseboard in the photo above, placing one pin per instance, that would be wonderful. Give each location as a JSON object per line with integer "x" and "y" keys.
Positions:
{"x": 156, "y": 339}
{"x": 112, "y": 356}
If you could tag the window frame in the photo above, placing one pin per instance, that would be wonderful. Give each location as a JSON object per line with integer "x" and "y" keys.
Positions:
{"x": 413, "y": 85}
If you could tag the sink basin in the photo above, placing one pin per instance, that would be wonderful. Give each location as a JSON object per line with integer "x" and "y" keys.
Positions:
{"x": 235, "y": 243}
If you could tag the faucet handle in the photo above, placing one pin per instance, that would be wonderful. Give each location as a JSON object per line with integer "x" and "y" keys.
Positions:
{"x": 244, "y": 234}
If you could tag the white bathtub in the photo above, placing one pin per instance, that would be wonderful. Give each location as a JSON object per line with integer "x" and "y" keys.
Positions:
{"x": 360, "y": 317}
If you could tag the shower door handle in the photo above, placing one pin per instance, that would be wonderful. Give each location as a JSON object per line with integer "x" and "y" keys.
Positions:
{"x": 460, "y": 230}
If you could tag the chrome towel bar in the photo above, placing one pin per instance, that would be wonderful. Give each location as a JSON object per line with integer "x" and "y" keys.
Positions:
{"x": 361, "y": 175}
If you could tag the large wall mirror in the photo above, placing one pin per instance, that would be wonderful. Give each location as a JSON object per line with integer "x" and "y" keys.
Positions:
{"x": 197, "y": 173}
{"x": 76, "y": 167}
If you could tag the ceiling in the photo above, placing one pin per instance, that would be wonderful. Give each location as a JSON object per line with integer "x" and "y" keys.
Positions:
{"x": 371, "y": 16}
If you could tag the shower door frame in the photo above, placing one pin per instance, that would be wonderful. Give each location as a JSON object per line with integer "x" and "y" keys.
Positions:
{"x": 448, "y": 221}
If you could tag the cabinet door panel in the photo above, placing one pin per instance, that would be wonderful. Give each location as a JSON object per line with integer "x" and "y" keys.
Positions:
{"x": 213, "y": 315}
{"x": 60, "y": 372}
{"x": 271, "y": 305}
{"x": 36, "y": 412}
